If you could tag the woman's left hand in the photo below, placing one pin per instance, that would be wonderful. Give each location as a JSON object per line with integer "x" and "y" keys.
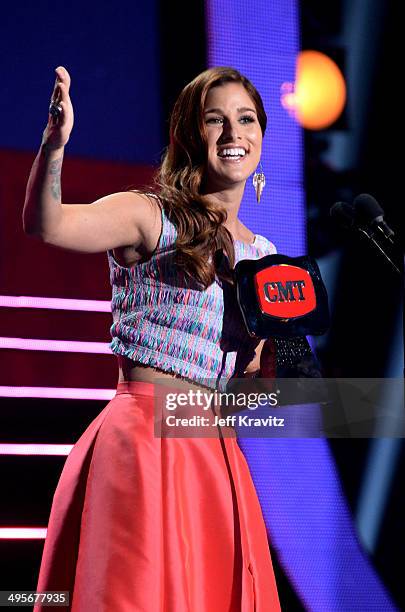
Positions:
{"x": 268, "y": 364}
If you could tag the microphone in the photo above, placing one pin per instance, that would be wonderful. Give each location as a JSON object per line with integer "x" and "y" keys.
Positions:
{"x": 367, "y": 218}
{"x": 369, "y": 213}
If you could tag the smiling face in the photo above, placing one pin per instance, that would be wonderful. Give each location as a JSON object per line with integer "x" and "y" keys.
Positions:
{"x": 234, "y": 136}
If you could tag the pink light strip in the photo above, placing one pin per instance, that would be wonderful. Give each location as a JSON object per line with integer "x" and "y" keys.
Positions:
{"x": 65, "y": 346}
{"x": 35, "y": 449}
{"x": 58, "y": 393}
{"x": 22, "y": 533}
{"x": 24, "y": 301}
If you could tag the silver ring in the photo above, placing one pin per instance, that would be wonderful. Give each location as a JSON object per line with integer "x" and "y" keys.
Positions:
{"x": 55, "y": 110}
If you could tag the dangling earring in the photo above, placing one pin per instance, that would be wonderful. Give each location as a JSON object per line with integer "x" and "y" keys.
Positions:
{"x": 259, "y": 181}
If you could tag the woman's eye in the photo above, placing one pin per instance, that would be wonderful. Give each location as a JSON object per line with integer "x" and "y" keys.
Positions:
{"x": 247, "y": 118}
{"x": 244, "y": 119}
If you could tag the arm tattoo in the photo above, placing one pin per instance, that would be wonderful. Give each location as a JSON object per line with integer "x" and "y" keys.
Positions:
{"x": 55, "y": 169}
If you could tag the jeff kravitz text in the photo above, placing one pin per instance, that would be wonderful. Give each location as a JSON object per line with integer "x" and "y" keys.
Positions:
{"x": 194, "y": 403}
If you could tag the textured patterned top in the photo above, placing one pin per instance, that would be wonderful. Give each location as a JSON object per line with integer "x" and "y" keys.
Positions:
{"x": 166, "y": 321}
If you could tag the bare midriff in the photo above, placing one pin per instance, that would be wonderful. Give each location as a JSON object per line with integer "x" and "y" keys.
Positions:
{"x": 130, "y": 370}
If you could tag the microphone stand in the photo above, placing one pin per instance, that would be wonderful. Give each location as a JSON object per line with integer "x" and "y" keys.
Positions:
{"x": 397, "y": 268}
{"x": 370, "y": 236}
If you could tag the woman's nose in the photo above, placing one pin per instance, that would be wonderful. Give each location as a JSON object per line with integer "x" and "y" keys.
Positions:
{"x": 231, "y": 130}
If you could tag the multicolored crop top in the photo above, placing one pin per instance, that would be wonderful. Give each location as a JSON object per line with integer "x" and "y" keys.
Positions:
{"x": 164, "y": 320}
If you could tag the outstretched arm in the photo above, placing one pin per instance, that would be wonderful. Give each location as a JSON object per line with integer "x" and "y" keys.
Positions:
{"x": 114, "y": 221}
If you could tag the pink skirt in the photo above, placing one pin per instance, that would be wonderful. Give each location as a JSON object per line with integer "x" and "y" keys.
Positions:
{"x": 146, "y": 524}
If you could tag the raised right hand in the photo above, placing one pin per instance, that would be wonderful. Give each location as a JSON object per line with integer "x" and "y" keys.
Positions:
{"x": 57, "y": 131}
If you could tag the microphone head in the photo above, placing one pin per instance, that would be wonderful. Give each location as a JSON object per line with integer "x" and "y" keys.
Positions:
{"x": 367, "y": 208}
{"x": 344, "y": 214}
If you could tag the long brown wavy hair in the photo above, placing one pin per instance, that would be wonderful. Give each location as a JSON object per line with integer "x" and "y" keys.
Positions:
{"x": 179, "y": 179}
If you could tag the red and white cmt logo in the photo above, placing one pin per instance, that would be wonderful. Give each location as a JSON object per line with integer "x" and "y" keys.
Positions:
{"x": 285, "y": 291}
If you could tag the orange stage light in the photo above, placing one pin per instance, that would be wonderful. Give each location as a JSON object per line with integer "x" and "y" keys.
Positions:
{"x": 319, "y": 95}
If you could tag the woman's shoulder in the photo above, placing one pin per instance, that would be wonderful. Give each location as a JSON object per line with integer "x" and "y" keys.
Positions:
{"x": 261, "y": 242}
{"x": 265, "y": 245}
{"x": 151, "y": 196}
{"x": 168, "y": 232}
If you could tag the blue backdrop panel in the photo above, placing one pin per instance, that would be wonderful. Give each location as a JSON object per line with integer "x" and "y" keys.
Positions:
{"x": 261, "y": 40}
{"x": 111, "y": 51}
{"x": 305, "y": 511}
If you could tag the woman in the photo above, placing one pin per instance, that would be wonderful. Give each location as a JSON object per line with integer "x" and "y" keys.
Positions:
{"x": 140, "y": 522}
